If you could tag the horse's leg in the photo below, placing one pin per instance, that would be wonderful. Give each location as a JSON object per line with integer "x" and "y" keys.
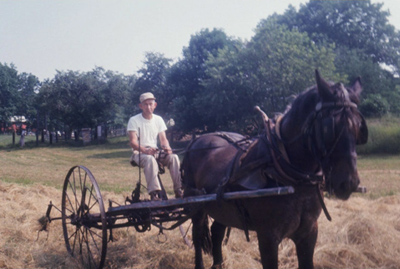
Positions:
{"x": 217, "y": 236}
{"x": 201, "y": 237}
{"x": 305, "y": 248}
{"x": 268, "y": 246}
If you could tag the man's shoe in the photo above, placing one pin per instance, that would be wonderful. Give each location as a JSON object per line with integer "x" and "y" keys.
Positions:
{"x": 155, "y": 196}
{"x": 178, "y": 193}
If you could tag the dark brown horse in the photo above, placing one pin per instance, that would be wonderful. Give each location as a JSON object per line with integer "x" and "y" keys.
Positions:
{"x": 311, "y": 147}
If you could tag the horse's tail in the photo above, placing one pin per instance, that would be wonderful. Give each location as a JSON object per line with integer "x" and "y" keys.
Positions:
{"x": 187, "y": 174}
{"x": 201, "y": 232}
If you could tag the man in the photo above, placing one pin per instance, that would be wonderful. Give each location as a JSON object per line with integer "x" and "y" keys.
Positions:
{"x": 150, "y": 127}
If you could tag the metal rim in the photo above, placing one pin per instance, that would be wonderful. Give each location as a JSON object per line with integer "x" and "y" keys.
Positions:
{"x": 83, "y": 218}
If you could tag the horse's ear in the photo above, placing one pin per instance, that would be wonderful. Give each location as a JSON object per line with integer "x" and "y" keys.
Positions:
{"x": 355, "y": 91}
{"x": 357, "y": 87}
{"x": 324, "y": 89}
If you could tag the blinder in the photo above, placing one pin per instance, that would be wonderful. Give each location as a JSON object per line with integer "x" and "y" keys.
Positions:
{"x": 324, "y": 132}
{"x": 324, "y": 127}
{"x": 328, "y": 130}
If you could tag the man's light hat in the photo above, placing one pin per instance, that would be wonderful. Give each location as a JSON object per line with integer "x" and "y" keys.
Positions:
{"x": 146, "y": 96}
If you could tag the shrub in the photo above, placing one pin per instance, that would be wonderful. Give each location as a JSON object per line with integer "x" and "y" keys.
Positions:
{"x": 374, "y": 106}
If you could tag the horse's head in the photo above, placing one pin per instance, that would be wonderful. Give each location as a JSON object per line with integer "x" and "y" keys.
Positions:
{"x": 337, "y": 128}
{"x": 332, "y": 126}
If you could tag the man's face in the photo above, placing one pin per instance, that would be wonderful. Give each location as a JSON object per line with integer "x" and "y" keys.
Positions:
{"x": 148, "y": 106}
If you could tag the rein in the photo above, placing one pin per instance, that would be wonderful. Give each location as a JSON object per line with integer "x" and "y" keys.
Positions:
{"x": 288, "y": 174}
{"x": 277, "y": 165}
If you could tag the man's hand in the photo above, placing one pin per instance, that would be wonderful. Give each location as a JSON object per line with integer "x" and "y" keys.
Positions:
{"x": 167, "y": 150}
{"x": 150, "y": 151}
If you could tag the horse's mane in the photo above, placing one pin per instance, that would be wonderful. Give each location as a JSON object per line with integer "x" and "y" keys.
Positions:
{"x": 308, "y": 97}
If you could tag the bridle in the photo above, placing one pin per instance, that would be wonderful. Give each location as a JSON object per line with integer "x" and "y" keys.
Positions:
{"x": 317, "y": 131}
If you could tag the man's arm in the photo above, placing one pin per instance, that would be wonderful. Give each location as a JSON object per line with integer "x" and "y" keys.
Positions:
{"x": 164, "y": 142}
{"x": 134, "y": 143}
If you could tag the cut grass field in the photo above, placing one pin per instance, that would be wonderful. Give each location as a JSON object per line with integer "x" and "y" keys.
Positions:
{"x": 364, "y": 233}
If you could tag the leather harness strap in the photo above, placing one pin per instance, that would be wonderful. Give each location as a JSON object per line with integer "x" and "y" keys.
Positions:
{"x": 281, "y": 146}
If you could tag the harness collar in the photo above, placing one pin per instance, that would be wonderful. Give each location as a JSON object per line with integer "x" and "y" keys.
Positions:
{"x": 281, "y": 146}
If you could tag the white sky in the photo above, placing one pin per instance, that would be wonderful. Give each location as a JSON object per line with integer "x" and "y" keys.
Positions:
{"x": 42, "y": 36}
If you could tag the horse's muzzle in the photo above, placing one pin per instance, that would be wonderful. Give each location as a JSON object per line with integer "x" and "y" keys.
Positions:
{"x": 345, "y": 188}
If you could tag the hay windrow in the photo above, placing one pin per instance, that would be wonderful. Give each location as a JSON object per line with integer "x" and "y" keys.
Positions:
{"x": 363, "y": 234}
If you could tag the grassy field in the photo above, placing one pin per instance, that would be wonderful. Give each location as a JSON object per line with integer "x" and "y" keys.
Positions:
{"x": 49, "y": 165}
{"x": 364, "y": 233}
{"x": 109, "y": 163}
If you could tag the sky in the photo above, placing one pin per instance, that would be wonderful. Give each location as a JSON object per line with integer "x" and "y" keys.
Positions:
{"x": 43, "y": 36}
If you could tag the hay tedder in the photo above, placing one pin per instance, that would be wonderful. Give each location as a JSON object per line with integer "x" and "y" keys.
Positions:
{"x": 88, "y": 225}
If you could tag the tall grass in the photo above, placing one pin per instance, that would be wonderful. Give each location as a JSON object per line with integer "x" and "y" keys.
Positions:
{"x": 383, "y": 136}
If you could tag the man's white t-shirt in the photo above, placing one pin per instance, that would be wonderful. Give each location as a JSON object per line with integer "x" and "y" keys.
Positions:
{"x": 147, "y": 130}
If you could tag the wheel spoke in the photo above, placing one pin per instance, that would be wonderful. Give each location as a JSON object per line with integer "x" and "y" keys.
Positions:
{"x": 73, "y": 189}
{"x": 98, "y": 235}
{"x": 82, "y": 211}
{"x": 90, "y": 197}
{"x": 95, "y": 202}
{"x": 98, "y": 252}
{"x": 75, "y": 234}
{"x": 70, "y": 203}
{"x": 81, "y": 238}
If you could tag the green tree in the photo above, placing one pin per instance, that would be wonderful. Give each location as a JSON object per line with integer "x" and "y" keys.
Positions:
{"x": 358, "y": 25}
{"x": 354, "y": 63}
{"x": 366, "y": 44}
{"x": 9, "y": 97}
{"x": 112, "y": 92}
{"x": 84, "y": 99}
{"x": 28, "y": 88}
{"x": 374, "y": 106}
{"x": 152, "y": 77}
{"x": 276, "y": 64}
{"x": 17, "y": 94}
{"x": 187, "y": 76}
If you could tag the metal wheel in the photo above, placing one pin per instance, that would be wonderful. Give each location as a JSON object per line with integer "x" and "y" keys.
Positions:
{"x": 83, "y": 218}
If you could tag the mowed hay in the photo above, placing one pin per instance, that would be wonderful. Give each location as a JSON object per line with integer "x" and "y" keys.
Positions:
{"x": 363, "y": 234}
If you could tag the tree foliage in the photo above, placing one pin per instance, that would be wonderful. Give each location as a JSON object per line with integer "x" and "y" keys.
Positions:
{"x": 374, "y": 105}
{"x": 17, "y": 93}
{"x": 8, "y": 92}
{"x": 187, "y": 76}
{"x": 152, "y": 77}
{"x": 277, "y": 63}
{"x": 84, "y": 99}
{"x": 366, "y": 44}
{"x": 219, "y": 79}
{"x": 358, "y": 25}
